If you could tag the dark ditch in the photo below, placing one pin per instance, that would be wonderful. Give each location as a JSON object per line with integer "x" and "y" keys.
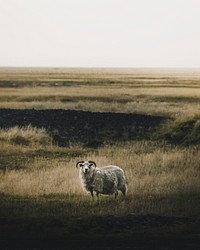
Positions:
{"x": 88, "y": 128}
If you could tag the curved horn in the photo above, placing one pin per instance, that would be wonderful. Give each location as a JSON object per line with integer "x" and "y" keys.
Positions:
{"x": 92, "y": 162}
{"x": 79, "y": 162}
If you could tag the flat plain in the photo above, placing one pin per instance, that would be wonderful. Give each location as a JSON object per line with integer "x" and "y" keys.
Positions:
{"x": 147, "y": 121}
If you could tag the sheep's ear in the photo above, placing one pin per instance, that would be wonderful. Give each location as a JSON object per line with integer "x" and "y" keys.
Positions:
{"x": 79, "y": 164}
{"x": 92, "y": 163}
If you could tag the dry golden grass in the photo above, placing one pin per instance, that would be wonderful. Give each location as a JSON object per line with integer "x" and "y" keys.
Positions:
{"x": 174, "y": 102}
{"x": 151, "y": 169}
{"x": 46, "y": 176}
{"x": 25, "y": 135}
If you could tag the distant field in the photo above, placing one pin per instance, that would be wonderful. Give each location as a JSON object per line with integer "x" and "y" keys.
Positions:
{"x": 156, "y": 142}
{"x": 163, "y": 92}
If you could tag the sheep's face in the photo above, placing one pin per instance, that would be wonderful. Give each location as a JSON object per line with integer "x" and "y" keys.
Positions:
{"x": 86, "y": 167}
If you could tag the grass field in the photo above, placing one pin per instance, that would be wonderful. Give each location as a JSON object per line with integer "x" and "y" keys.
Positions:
{"x": 174, "y": 93}
{"x": 42, "y": 203}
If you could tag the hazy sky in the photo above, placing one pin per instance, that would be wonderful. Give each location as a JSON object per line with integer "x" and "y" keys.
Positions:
{"x": 100, "y": 33}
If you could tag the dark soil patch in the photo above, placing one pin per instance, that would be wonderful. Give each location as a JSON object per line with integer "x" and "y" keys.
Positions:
{"x": 141, "y": 232}
{"x": 88, "y": 128}
{"x": 49, "y": 222}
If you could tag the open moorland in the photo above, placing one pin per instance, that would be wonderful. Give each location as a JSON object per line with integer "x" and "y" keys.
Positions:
{"x": 146, "y": 121}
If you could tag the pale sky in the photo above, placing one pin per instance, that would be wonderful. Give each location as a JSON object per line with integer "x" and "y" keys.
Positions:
{"x": 100, "y": 33}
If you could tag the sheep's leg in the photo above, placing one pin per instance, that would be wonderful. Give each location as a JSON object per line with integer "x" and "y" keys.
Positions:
{"x": 116, "y": 194}
{"x": 115, "y": 189}
{"x": 91, "y": 191}
{"x": 124, "y": 192}
{"x": 97, "y": 194}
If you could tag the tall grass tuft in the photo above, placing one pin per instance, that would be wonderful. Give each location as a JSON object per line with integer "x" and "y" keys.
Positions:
{"x": 25, "y": 136}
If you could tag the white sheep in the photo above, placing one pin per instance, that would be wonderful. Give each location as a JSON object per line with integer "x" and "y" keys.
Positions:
{"x": 105, "y": 180}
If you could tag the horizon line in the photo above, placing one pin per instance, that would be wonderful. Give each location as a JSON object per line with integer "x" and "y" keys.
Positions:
{"x": 103, "y": 67}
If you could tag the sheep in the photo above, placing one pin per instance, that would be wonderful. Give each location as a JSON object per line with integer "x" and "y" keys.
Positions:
{"x": 105, "y": 180}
